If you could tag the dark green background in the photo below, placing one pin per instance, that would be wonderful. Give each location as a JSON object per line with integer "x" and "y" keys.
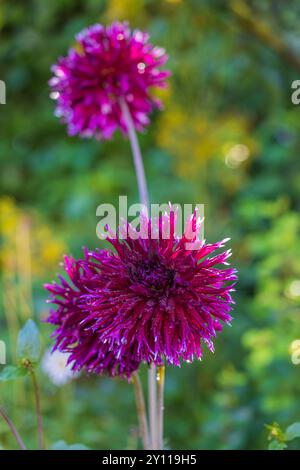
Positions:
{"x": 232, "y": 65}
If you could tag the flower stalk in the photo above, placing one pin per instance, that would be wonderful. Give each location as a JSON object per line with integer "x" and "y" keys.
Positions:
{"x": 37, "y": 397}
{"x": 141, "y": 410}
{"x": 137, "y": 155}
{"x": 160, "y": 405}
{"x": 153, "y": 406}
{"x": 13, "y": 429}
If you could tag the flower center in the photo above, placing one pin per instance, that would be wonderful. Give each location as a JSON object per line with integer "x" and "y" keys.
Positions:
{"x": 153, "y": 275}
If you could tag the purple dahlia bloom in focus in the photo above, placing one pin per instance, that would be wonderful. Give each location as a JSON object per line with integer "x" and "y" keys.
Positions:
{"x": 107, "y": 64}
{"x": 148, "y": 300}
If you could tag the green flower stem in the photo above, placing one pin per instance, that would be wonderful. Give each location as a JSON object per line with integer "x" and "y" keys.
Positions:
{"x": 41, "y": 441}
{"x": 160, "y": 405}
{"x": 141, "y": 410}
{"x": 153, "y": 407}
{"x": 12, "y": 428}
{"x": 137, "y": 155}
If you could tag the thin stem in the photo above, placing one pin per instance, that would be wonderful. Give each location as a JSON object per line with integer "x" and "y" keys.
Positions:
{"x": 37, "y": 397}
{"x": 160, "y": 405}
{"x": 153, "y": 406}
{"x": 141, "y": 410}
{"x": 13, "y": 429}
{"x": 136, "y": 152}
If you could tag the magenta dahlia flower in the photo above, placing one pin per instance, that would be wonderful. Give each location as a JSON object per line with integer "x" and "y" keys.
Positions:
{"x": 108, "y": 64}
{"x": 149, "y": 300}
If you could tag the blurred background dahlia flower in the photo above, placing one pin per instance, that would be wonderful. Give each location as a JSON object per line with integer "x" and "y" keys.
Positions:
{"x": 107, "y": 64}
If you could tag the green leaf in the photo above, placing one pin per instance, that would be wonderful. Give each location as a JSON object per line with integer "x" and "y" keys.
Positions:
{"x": 28, "y": 343}
{"x": 62, "y": 445}
{"x": 276, "y": 445}
{"x": 12, "y": 373}
{"x": 275, "y": 432}
{"x": 292, "y": 431}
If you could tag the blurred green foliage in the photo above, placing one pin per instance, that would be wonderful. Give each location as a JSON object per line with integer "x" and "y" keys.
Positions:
{"x": 228, "y": 138}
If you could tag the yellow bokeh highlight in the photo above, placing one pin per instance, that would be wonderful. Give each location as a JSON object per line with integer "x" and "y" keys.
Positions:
{"x": 195, "y": 138}
{"x": 124, "y": 10}
{"x": 163, "y": 94}
{"x": 23, "y": 233}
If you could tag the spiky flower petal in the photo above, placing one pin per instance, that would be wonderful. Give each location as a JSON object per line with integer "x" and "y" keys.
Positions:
{"x": 148, "y": 300}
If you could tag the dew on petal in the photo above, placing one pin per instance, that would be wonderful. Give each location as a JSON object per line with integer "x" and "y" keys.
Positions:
{"x": 141, "y": 67}
{"x": 54, "y": 95}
